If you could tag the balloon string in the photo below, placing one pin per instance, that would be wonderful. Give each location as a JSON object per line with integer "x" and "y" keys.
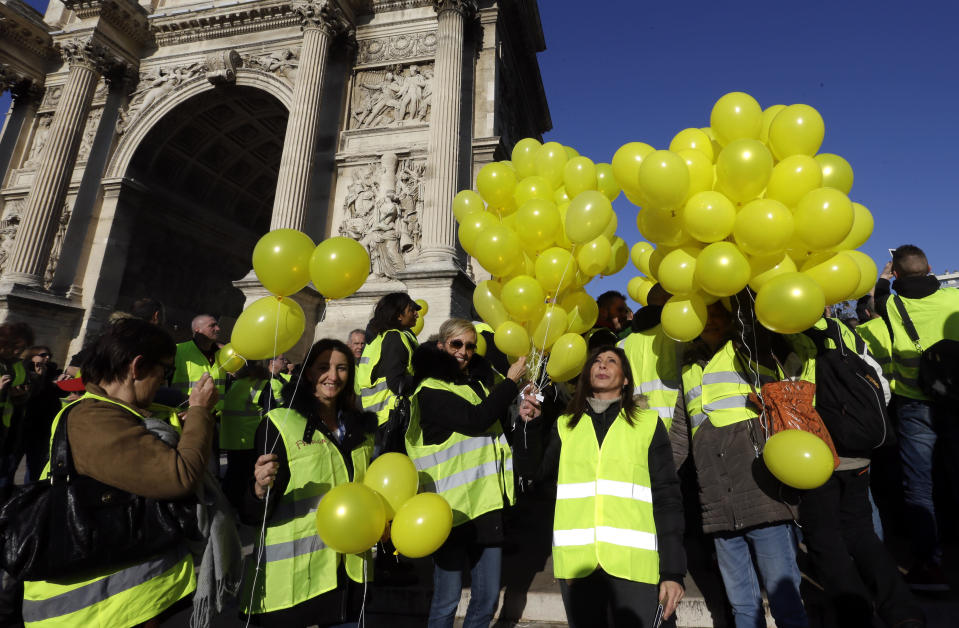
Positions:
{"x": 538, "y": 372}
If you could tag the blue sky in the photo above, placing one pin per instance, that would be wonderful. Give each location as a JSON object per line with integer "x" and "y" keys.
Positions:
{"x": 882, "y": 74}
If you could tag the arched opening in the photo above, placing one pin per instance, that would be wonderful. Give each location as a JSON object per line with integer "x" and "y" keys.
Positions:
{"x": 203, "y": 181}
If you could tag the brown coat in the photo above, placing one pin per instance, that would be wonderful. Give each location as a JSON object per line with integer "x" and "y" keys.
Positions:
{"x": 111, "y": 445}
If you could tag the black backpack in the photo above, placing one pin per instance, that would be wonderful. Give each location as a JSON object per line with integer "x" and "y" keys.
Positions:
{"x": 849, "y": 395}
{"x": 938, "y": 365}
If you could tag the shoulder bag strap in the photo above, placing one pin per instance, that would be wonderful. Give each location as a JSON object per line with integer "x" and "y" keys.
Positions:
{"x": 907, "y": 322}
{"x": 61, "y": 458}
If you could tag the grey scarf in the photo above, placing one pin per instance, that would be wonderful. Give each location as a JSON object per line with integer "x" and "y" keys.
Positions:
{"x": 219, "y": 553}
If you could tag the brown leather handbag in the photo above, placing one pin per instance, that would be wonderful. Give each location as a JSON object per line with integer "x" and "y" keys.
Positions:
{"x": 790, "y": 405}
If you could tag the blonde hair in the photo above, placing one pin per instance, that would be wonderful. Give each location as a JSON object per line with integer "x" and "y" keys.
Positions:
{"x": 455, "y": 327}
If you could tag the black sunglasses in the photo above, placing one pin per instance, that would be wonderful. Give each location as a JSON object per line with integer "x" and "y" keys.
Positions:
{"x": 44, "y": 355}
{"x": 458, "y": 344}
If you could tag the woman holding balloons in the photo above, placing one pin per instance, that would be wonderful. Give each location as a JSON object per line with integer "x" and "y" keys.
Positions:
{"x": 618, "y": 526}
{"x": 317, "y": 442}
{"x": 741, "y": 501}
{"x": 456, "y": 440}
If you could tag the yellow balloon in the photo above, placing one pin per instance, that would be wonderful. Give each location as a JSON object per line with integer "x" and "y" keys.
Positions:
{"x": 838, "y": 276}
{"x": 560, "y": 197}
{"x": 677, "y": 270}
{"x": 764, "y": 268}
{"x": 717, "y": 147}
{"x": 796, "y": 130}
{"x": 571, "y": 152}
{"x": 638, "y": 289}
{"x": 229, "y": 360}
{"x": 394, "y": 477}
{"x": 639, "y": 255}
{"x": 486, "y": 300}
{"x": 735, "y": 116}
{"x": 581, "y": 311}
{"x": 862, "y": 225}
{"x": 350, "y": 518}
{"x": 555, "y": 269}
{"x": 656, "y": 259}
{"x": 532, "y": 187}
{"x": 549, "y": 327}
{"x": 421, "y": 525}
{"x": 512, "y": 339}
{"x": 268, "y": 327}
{"x": 418, "y": 325}
{"x": 700, "y": 171}
{"x": 836, "y": 172}
{"x": 790, "y": 303}
{"x": 606, "y": 181}
{"x": 579, "y": 175}
{"x": 618, "y": 256}
{"x": 480, "y": 345}
{"x": 524, "y": 156}
{"x": 550, "y": 161}
{"x": 664, "y": 178}
{"x": 523, "y": 297}
{"x": 824, "y": 218}
{"x": 472, "y": 225}
{"x": 721, "y": 269}
{"x": 281, "y": 260}
{"x": 587, "y": 216}
{"x": 498, "y": 249}
{"x": 768, "y": 114}
{"x": 466, "y": 202}
{"x": 610, "y": 231}
{"x": 661, "y": 225}
{"x": 693, "y": 139}
{"x": 538, "y": 223}
{"x": 495, "y": 183}
{"x": 567, "y": 357}
{"x": 593, "y": 256}
{"x": 339, "y": 266}
{"x": 626, "y": 163}
{"x": 798, "y": 459}
{"x": 763, "y": 227}
{"x": 424, "y": 307}
{"x": 684, "y": 317}
{"x": 793, "y": 178}
{"x": 743, "y": 169}
{"x": 709, "y": 216}
{"x": 867, "y": 273}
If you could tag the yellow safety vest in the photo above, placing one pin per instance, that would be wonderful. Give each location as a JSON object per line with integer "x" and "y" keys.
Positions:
{"x": 376, "y": 396}
{"x": 654, "y": 358}
{"x": 6, "y": 406}
{"x": 297, "y": 566}
{"x": 191, "y": 364}
{"x": 242, "y": 414}
{"x": 875, "y": 333}
{"x": 720, "y": 392}
{"x": 935, "y": 317}
{"x": 604, "y": 500}
{"x": 473, "y": 473}
{"x": 126, "y": 596}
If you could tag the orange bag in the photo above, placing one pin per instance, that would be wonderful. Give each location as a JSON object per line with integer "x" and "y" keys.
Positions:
{"x": 789, "y": 405}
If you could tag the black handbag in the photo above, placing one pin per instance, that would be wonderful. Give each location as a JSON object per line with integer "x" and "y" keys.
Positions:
{"x": 70, "y": 525}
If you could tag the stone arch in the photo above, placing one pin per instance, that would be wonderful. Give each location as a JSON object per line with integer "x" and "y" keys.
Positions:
{"x": 146, "y": 120}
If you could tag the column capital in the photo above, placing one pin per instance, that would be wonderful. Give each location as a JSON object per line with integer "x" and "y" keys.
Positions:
{"x": 90, "y": 53}
{"x": 466, "y": 8}
{"x": 324, "y": 15}
{"x": 21, "y": 86}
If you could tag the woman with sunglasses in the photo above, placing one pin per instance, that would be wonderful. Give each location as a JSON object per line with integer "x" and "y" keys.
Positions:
{"x": 618, "y": 525}
{"x": 457, "y": 442}
{"x": 43, "y": 404}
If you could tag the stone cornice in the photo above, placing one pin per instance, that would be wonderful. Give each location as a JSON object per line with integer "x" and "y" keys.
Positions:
{"x": 125, "y": 15}
{"x": 466, "y": 8}
{"x": 21, "y": 25}
{"x": 89, "y": 51}
{"x": 19, "y": 83}
{"x": 209, "y": 22}
{"x": 397, "y": 5}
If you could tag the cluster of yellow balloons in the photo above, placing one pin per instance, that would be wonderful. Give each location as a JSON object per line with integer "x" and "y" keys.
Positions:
{"x": 352, "y": 517}
{"x": 746, "y": 201}
{"x": 543, "y": 225}
{"x": 285, "y": 261}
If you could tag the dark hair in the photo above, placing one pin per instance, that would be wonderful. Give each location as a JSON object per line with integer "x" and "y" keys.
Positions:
{"x": 16, "y": 331}
{"x": 111, "y": 354}
{"x": 607, "y": 298}
{"x": 750, "y": 337}
{"x": 584, "y": 389}
{"x": 865, "y": 307}
{"x": 35, "y": 350}
{"x": 146, "y": 307}
{"x": 386, "y": 313}
{"x": 908, "y": 260}
{"x": 302, "y": 397}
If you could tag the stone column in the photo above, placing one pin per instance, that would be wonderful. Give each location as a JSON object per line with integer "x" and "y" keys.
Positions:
{"x": 26, "y": 97}
{"x": 28, "y": 261}
{"x": 442, "y": 166}
{"x": 321, "y": 21}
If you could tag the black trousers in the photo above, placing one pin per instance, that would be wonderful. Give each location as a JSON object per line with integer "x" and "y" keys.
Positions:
{"x": 857, "y": 573}
{"x": 600, "y": 600}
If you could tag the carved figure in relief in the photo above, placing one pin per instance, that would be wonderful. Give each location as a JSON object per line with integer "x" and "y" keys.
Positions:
{"x": 412, "y": 98}
{"x": 161, "y": 82}
{"x": 383, "y": 238}
{"x": 89, "y": 134}
{"x": 400, "y": 95}
{"x": 283, "y": 63}
{"x": 410, "y": 190}
{"x": 39, "y": 140}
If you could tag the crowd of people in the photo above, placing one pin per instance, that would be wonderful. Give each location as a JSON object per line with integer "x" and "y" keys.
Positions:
{"x": 652, "y": 457}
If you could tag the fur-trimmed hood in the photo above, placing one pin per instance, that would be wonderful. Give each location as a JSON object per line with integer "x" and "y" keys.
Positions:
{"x": 431, "y": 361}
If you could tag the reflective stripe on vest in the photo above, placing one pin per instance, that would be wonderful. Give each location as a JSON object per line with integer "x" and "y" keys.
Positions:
{"x": 654, "y": 359}
{"x": 124, "y": 597}
{"x": 297, "y": 566}
{"x": 191, "y": 364}
{"x": 376, "y": 397}
{"x": 473, "y": 473}
{"x": 18, "y": 379}
{"x": 241, "y": 414}
{"x": 604, "y": 502}
{"x": 935, "y": 317}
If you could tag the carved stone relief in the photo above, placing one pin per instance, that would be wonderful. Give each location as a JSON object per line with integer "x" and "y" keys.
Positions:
{"x": 221, "y": 66}
{"x": 89, "y": 134}
{"x": 396, "y": 48}
{"x": 154, "y": 84}
{"x": 51, "y": 96}
{"x": 8, "y": 229}
{"x": 282, "y": 63}
{"x": 40, "y": 135}
{"x": 392, "y": 96}
{"x": 382, "y": 211}
{"x": 57, "y": 247}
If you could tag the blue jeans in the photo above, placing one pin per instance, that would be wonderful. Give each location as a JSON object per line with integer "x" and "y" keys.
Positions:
{"x": 774, "y": 549}
{"x": 484, "y": 565}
